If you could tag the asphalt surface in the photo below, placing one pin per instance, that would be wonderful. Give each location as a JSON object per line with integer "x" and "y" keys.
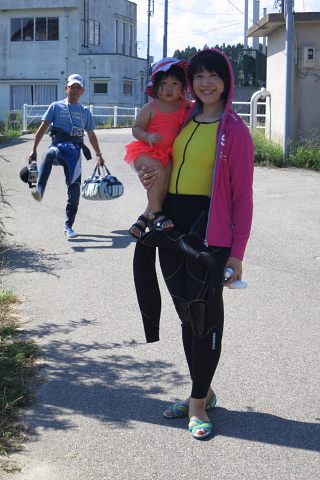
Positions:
{"x": 98, "y": 415}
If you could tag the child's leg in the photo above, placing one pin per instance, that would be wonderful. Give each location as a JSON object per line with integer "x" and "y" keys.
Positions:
{"x": 158, "y": 191}
{"x": 167, "y": 183}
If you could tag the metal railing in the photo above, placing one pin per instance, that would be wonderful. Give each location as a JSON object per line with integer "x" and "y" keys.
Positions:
{"x": 245, "y": 112}
{"x": 253, "y": 112}
{"x": 102, "y": 112}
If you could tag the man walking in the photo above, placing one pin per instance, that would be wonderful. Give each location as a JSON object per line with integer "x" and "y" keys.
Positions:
{"x": 68, "y": 120}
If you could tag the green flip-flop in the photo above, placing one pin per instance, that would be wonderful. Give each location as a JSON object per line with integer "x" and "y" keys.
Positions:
{"x": 179, "y": 410}
{"x": 195, "y": 425}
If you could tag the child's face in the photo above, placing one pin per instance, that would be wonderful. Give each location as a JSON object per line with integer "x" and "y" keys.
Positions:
{"x": 208, "y": 87}
{"x": 170, "y": 89}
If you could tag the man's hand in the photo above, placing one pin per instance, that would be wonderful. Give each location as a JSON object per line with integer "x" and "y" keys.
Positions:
{"x": 33, "y": 156}
{"x": 147, "y": 176}
{"x": 100, "y": 161}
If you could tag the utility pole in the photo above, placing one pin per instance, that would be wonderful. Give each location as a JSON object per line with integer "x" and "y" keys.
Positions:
{"x": 245, "y": 40}
{"x": 150, "y": 13}
{"x": 165, "y": 33}
{"x": 256, "y": 8}
{"x": 289, "y": 61}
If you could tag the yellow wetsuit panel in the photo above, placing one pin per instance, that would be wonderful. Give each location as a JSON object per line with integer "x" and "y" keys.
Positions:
{"x": 194, "y": 153}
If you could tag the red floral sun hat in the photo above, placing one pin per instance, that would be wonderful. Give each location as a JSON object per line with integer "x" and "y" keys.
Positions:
{"x": 162, "y": 66}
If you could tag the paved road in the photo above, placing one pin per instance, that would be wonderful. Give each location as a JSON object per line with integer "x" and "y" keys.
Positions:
{"x": 99, "y": 413}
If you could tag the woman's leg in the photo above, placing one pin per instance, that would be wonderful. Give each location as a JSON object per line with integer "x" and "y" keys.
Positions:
{"x": 197, "y": 295}
{"x": 175, "y": 271}
{"x": 207, "y": 318}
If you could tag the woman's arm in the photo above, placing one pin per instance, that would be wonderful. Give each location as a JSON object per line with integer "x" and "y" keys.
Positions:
{"x": 240, "y": 154}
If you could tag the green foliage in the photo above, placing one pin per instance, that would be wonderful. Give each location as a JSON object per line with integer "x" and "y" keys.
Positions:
{"x": 17, "y": 371}
{"x": 266, "y": 152}
{"x": 185, "y": 54}
{"x": 11, "y": 127}
{"x": 306, "y": 153}
{"x": 12, "y": 122}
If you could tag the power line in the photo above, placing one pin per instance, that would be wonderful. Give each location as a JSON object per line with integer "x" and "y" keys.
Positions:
{"x": 201, "y": 13}
{"x": 235, "y": 7}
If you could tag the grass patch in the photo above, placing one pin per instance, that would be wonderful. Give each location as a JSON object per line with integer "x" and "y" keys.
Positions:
{"x": 11, "y": 127}
{"x": 266, "y": 152}
{"x": 18, "y": 377}
{"x": 19, "y": 366}
{"x": 304, "y": 154}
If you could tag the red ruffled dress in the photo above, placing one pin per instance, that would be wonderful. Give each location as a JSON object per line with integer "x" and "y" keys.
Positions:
{"x": 167, "y": 125}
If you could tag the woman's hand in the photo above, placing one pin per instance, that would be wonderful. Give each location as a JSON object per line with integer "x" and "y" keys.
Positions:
{"x": 147, "y": 176}
{"x": 236, "y": 265}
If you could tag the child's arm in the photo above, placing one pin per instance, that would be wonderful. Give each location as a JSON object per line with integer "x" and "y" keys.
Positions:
{"x": 139, "y": 131}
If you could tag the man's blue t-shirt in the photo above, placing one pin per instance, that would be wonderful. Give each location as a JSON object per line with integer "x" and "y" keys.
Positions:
{"x": 60, "y": 116}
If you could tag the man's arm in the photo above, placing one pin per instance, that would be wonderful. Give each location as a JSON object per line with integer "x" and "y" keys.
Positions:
{"x": 37, "y": 139}
{"x": 95, "y": 144}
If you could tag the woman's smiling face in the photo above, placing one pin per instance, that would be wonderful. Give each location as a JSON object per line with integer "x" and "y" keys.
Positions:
{"x": 208, "y": 87}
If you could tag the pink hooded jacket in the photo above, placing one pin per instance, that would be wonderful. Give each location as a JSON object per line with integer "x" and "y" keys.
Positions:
{"x": 231, "y": 207}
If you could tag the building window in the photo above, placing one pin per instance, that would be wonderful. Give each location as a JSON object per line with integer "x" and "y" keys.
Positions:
{"x": 94, "y": 32}
{"x": 34, "y": 29}
{"x": 32, "y": 95}
{"x": 127, "y": 88}
{"x": 100, "y": 88}
{"x": 123, "y": 38}
{"x": 131, "y": 40}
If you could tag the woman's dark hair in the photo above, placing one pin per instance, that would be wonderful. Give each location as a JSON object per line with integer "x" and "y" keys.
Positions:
{"x": 174, "y": 71}
{"x": 212, "y": 62}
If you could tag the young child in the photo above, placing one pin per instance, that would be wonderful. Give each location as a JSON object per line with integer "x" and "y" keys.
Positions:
{"x": 156, "y": 127}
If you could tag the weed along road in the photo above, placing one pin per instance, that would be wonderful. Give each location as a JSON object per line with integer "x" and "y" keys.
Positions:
{"x": 98, "y": 414}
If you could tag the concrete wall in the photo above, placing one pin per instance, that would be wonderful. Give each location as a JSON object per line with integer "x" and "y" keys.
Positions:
{"x": 276, "y": 85}
{"x": 305, "y": 102}
{"x": 51, "y": 62}
{"x": 306, "y": 85}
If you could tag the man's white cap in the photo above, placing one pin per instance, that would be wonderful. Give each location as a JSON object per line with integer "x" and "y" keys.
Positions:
{"x": 75, "y": 78}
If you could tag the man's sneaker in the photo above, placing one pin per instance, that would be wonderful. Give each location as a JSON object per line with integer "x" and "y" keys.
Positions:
{"x": 37, "y": 194}
{"x": 69, "y": 232}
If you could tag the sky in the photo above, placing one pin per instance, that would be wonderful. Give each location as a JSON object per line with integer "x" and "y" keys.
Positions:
{"x": 195, "y": 23}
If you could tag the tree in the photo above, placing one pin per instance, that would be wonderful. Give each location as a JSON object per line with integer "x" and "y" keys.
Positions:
{"x": 185, "y": 54}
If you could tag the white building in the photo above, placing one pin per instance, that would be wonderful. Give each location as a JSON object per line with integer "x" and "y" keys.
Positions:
{"x": 304, "y": 75}
{"x": 40, "y": 46}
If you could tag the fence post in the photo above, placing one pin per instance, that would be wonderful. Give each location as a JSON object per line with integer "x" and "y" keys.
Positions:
{"x": 91, "y": 107}
{"x": 24, "y": 116}
{"x": 135, "y": 112}
{"x": 253, "y": 106}
{"x": 115, "y": 116}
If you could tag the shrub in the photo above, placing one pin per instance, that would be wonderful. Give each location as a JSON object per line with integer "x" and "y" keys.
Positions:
{"x": 306, "y": 153}
{"x": 266, "y": 152}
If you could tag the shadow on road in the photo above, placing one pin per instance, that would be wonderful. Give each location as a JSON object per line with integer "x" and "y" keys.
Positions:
{"x": 14, "y": 141}
{"x": 102, "y": 382}
{"x": 21, "y": 258}
{"x": 121, "y": 239}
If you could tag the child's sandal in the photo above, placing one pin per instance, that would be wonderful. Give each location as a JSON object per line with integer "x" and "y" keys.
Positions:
{"x": 159, "y": 224}
{"x": 137, "y": 225}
